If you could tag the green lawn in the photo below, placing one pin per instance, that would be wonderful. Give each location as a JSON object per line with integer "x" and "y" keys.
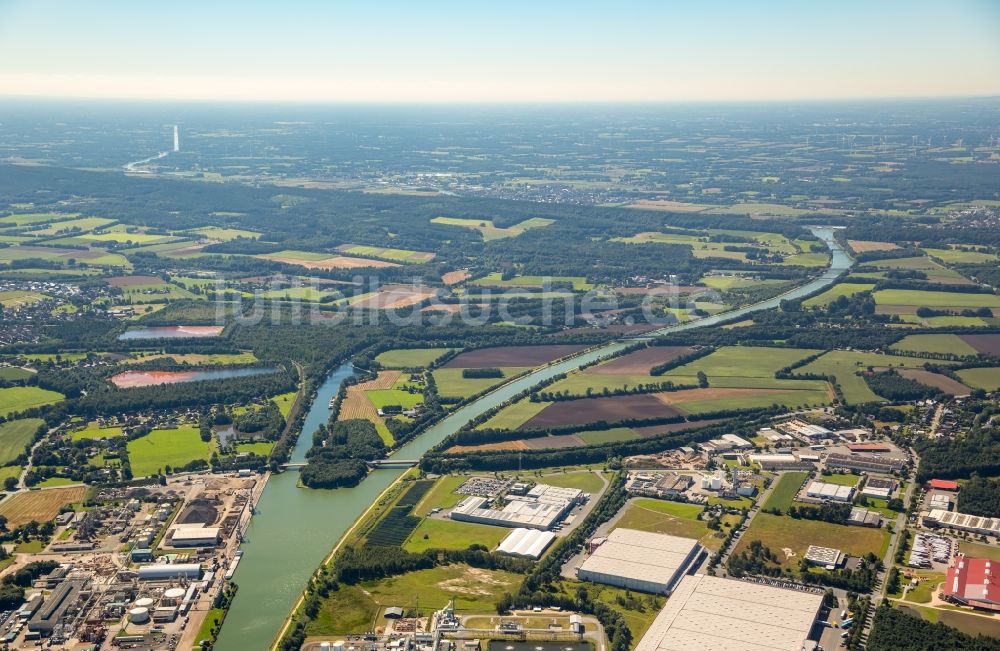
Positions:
{"x": 987, "y": 378}
{"x": 441, "y": 495}
{"x": 14, "y": 399}
{"x": 349, "y": 609}
{"x": 92, "y": 431}
{"x": 15, "y": 436}
{"x": 205, "y": 631}
{"x": 810, "y": 395}
{"x": 449, "y": 534}
{"x": 285, "y": 402}
{"x": 835, "y": 292}
{"x": 977, "y": 550}
{"x": 841, "y": 479}
{"x": 402, "y": 358}
{"x": 383, "y": 397}
{"x": 14, "y": 373}
{"x": 741, "y": 362}
{"x": 782, "y": 532}
{"x": 260, "y": 448}
{"x": 588, "y": 482}
{"x": 166, "y": 447}
{"x": 943, "y": 344}
{"x": 673, "y": 518}
{"x": 785, "y": 490}
{"x": 921, "y": 298}
{"x": 16, "y": 298}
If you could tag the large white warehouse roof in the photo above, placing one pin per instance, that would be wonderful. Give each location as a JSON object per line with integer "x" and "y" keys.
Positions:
{"x": 641, "y": 560}
{"x": 714, "y": 614}
{"x": 526, "y": 542}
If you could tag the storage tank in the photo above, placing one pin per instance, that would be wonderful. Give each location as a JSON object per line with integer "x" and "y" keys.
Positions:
{"x": 324, "y": 646}
{"x": 172, "y": 596}
{"x": 145, "y": 602}
{"x": 138, "y": 615}
{"x": 338, "y": 645}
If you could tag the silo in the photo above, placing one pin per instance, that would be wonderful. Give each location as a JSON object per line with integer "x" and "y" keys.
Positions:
{"x": 172, "y": 596}
{"x": 139, "y": 615}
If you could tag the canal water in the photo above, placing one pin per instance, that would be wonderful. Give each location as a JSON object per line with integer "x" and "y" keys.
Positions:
{"x": 295, "y": 528}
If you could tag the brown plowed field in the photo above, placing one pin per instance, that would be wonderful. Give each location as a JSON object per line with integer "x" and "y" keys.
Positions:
{"x": 523, "y": 356}
{"x": 861, "y": 246}
{"x": 611, "y": 409}
{"x": 989, "y": 344}
{"x": 454, "y": 277}
{"x": 393, "y": 297}
{"x": 356, "y": 403}
{"x": 640, "y": 362}
{"x": 936, "y": 380}
{"x": 41, "y": 505}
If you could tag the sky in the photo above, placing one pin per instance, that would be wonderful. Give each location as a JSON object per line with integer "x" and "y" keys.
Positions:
{"x": 444, "y": 51}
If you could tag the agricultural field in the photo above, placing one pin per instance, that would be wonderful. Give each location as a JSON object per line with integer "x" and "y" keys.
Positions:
{"x": 864, "y": 246}
{"x": 358, "y": 405}
{"x": 944, "y": 344}
{"x": 844, "y": 365}
{"x": 436, "y": 533}
{"x": 906, "y": 301}
{"x": 39, "y": 505}
{"x": 987, "y": 344}
{"x": 93, "y": 256}
{"x": 196, "y": 359}
{"x": 728, "y": 282}
{"x": 491, "y": 232}
{"x": 986, "y": 378}
{"x": 312, "y": 260}
{"x": 789, "y": 538}
{"x": 25, "y": 219}
{"x": 592, "y": 410}
{"x": 506, "y": 356}
{"x": 167, "y": 447}
{"x": 410, "y": 357}
{"x": 94, "y": 432}
{"x": 16, "y": 298}
{"x": 393, "y": 255}
{"x": 14, "y": 373}
{"x": 579, "y": 283}
{"x": 15, "y": 435}
{"x": 835, "y": 292}
{"x": 392, "y": 297}
{"x": 225, "y": 234}
{"x": 958, "y": 256}
{"x": 15, "y": 399}
{"x": 73, "y": 226}
{"x": 121, "y": 236}
{"x": 936, "y": 380}
{"x": 307, "y": 294}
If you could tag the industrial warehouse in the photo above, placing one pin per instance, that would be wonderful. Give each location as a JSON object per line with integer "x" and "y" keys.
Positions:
{"x": 529, "y": 543}
{"x": 639, "y": 560}
{"x": 540, "y": 508}
{"x": 706, "y": 612}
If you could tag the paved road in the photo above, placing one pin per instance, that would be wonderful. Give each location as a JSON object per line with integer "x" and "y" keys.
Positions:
{"x": 720, "y": 570}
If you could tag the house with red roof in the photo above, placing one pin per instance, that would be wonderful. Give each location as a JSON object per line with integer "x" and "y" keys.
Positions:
{"x": 973, "y": 582}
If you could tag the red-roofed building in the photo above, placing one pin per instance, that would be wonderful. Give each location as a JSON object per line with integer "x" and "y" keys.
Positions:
{"x": 973, "y": 582}
{"x": 943, "y": 485}
{"x": 868, "y": 447}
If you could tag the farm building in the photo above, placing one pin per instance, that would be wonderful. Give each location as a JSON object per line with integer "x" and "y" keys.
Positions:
{"x": 639, "y": 560}
{"x": 973, "y": 582}
{"x": 707, "y": 612}
{"x": 962, "y": 522}
{"x": 529, "y": 543}
{"x": 834, "y": 492}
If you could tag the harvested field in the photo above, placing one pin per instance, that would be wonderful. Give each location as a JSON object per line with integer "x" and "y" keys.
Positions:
{"x": 333, "y": 262}
{"x": 526, "y": 356}
{"x": 486, "y": 447}
{"x": 936, "y": 380}
{"x": 987, "y": 344}
{"x": 127, "y": 281}
{"x": 555, "y": 442}
{"x": 454, "y": 277}
{"x": 357, "y": 405}
{"x": 861, "y": 246}
{"x": 40, "y": 506}
{"x": 591, "y": 410}
{"x": 640, "y": 362}
{"x": 712, "y": 393}
{"x": 391, "y": 297}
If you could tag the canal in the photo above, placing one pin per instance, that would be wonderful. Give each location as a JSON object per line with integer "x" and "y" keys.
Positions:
{"x": 295, "y": 528}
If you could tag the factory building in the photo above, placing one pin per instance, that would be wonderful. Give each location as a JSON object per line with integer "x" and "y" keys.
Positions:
{"x": 825, "y": 556}
{"x": 541, "y": 508}
{"x": 166, "y": 572}
{"x": 962, "y": 522}
{"x": 52, "y": 609}
{"x": 781, "y": 462}
{"x": 707, "y": 612}
{"x": 194, "y": 536}
{"x": 529, "y": 543}
{"x": 834, "y": 492}
{"x": 973, "y": 582}
{"x": 880, "y": 489}
{"x": 639, "y": 560}
{"x": 861, "y": 463}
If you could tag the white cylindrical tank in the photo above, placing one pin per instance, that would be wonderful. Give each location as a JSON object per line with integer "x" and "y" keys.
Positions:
{"x": 171, "y": 596}
{"x": 145, "y": 602}
{"x": 138, "y": 615}
{"x": 338, "y": 645}
{"x": 324, "y": 646}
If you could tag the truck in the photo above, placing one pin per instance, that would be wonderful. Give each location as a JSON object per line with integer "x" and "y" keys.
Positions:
{"x": 847, "y": 623}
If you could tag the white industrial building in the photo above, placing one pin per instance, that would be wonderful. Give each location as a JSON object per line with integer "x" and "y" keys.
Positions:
{"x": 164, "y": 571}
{"x": 821, "y": 490}
{"x": 825, "y": 556}
{"x": 194, "y": 536}
{"x": 962, "y": 522}
{"x": 542, "y": 508}
{"x": 781, "y": 462}
{"x": 639, "y": 560}
{"x": 530, "y": 543}
{"x": 710, "y": 613}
